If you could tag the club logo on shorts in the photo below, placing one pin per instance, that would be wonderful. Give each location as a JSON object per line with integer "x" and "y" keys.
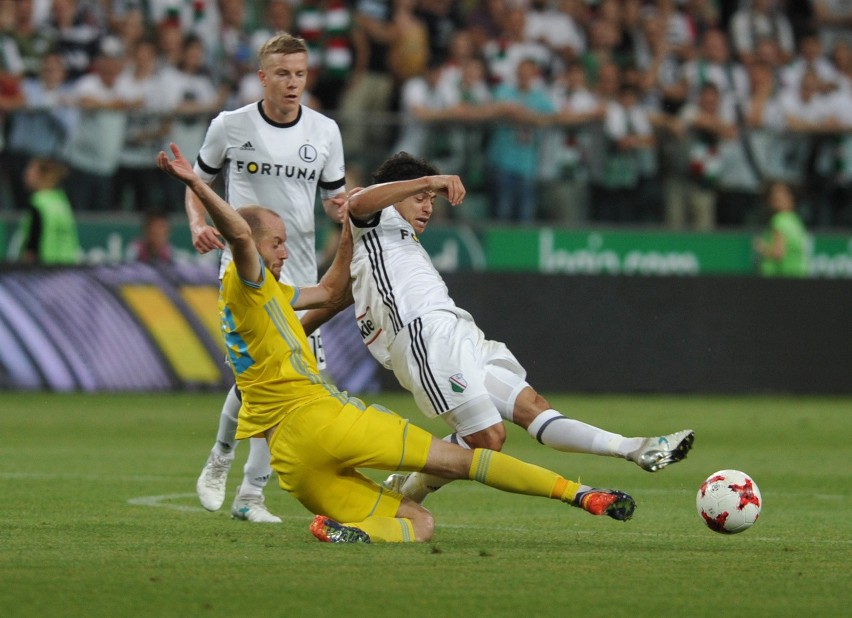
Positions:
{"x": 458, "y": 383}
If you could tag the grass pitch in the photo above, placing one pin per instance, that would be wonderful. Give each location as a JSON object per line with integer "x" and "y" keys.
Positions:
{"x": 99, "y": 518}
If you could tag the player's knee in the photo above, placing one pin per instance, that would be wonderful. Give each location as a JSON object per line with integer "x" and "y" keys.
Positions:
{"x": 491, "y": 438}
{"x": 528, "y": 405}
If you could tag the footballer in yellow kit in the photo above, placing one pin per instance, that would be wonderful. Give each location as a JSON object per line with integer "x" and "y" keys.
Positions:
{"x": 319, "y": 434}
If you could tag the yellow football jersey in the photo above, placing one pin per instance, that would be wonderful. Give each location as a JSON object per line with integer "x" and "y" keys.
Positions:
{"x": 268, "y": 351}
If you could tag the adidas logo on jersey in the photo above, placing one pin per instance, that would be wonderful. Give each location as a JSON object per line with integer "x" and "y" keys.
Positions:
{"x": 247, "y": 146}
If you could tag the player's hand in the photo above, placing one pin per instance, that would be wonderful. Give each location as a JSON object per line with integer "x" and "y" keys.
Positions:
{"x": 449, "y": 186}
{"x": 206, "y": 238}
{"x": 179, "y": 167}
{"x": 335, "y": 207}
{"x": 350, "y": 194}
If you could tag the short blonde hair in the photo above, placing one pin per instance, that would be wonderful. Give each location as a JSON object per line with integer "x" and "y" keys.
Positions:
{"x": 281, "y": 43}
{"x": 257, "y": 218}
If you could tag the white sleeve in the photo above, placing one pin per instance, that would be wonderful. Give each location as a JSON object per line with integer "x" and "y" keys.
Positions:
{"x": 85, "y": 86}
{"x": 211, "y": 157}
{"x": 333, "y": 176}
{"x": 643, "y": 122}
{"x": 614, "y": 126}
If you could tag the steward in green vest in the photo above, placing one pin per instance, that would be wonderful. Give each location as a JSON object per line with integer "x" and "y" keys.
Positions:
{"x": 784, "y": 248}
{"x": 49, "y": 228}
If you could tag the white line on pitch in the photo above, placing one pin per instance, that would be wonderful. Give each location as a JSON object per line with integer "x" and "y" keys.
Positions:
{"x": 162, "y": 502}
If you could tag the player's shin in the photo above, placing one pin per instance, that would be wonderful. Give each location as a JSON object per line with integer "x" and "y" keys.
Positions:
{"x": 561, "y": 433}
{"x": 506, "y": 473}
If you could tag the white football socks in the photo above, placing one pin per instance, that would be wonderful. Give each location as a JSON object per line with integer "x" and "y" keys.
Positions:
{"x": 566, "y": 434}
{"x": 226, "y": 441}
{"x": 257, "y": 470}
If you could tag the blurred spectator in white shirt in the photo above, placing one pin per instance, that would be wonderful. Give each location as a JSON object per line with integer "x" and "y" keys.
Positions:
{"x": 132, "y": 28}
{"x": 708, "y": 127}
{"x": 460, "y": 51}
{"x": 714, "y": 64}
{"x": 32, "y": 41}
{"x": 75, "y": 35}
{"x": 551, "y": 24}
{"x": 565, "y": 146}
{"x": 93, "y": 149}
{"x": 467, "y": 96}
{"x": 505, "y": 53}
{"x": 194, "y": 100}
{"x": 806, "y": 108}
{"x": 811, "y": 57}
{"x": 683, "y": 39}
{"x": 759, "y": 19}
{"x": 833, "y": 21}
{"x": 138, "y": 182}
{"x": 841, "y": 60}
{"x": 421, "y": 103}
{"x": 40, "y": 127}
{"x": 628, "y": 160}
{"x": 764, "y": 120}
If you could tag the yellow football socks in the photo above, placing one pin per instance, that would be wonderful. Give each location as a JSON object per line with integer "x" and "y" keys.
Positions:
{"x": 504, "y": 472}
{"x": 387, "y": 529}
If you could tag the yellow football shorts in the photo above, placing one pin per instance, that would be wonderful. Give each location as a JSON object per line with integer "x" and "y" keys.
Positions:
{"x": 316, "y": 451}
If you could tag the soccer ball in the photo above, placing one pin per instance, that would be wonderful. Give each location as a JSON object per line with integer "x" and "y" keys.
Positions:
{"x": 728, "y": 501}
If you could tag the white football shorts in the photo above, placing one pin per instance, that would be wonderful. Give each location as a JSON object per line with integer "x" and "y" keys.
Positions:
{"x": 453, "y": 371}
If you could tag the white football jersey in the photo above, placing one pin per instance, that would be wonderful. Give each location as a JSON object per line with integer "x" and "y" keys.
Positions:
{"x": 393, "y": 280}
{"x": 279, "y": 166}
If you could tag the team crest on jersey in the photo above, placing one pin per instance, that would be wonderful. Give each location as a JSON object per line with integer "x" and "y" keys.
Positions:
{"x": 458, "y": 383}
{"x": 308, "y": 153}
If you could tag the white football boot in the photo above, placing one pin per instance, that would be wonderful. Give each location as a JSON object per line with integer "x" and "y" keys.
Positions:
{"x": 252, "y": 508}
{"x": 210, "y": 486}
{"x": 657, "y": 453}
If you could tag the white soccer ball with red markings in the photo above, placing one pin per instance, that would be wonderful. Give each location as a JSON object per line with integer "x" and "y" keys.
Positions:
{"x": 729, "y": 501}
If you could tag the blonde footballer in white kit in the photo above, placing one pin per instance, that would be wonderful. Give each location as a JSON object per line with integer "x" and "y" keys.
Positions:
{"x": 276, "y": 153}
{"x": 411, "y": 325}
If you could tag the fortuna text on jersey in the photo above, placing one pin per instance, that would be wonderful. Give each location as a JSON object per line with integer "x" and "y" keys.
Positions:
{"x": 275, "y": 169}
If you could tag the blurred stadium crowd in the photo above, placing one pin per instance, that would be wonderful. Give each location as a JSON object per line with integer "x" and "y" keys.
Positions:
{"x": 669, "y": 113}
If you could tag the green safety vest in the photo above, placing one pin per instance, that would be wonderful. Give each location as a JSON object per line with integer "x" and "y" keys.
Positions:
{"x": 59, "y": 242}
{"x": 794, "y": 263}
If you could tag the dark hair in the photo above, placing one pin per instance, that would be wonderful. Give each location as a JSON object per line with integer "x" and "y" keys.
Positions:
{"x": 710, "y": 86}
{"x": 153, "y": 214}
{"x": 190, "y": 38}
{"x": 628, "y": 88}
{"x": 403, "y": 166}
{"x": 50, "y": 166}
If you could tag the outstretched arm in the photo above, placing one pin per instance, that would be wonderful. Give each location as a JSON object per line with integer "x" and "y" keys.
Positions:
{"x": 333, "y": 291}
{"x": 227, "y": 220}
{"x": 365, "y": 202}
